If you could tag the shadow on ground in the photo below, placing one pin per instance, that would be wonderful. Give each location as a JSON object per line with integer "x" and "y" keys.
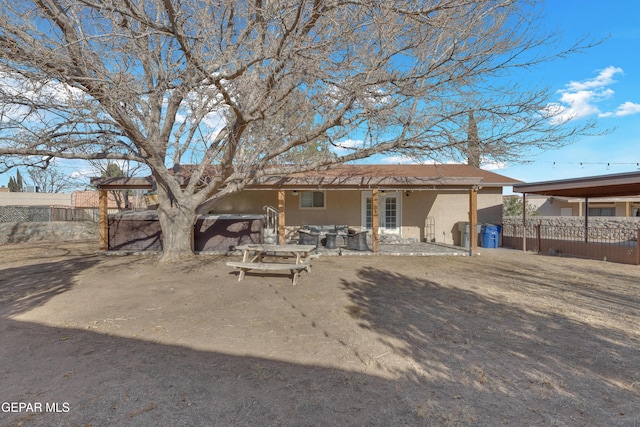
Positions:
{"x": 475, "y": 358}
{"x": 517, "y": 360}
{"x": 99, "y": 379}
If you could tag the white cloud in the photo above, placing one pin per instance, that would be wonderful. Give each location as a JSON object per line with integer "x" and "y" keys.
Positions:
{"x": 626, "y": 109}
{"x": 347, "y": 146}
{"x": 581, "y": 99}
{"x": 605, "y": 78}
{"x": 399, "y": 160}
{"x": 493, "y": 165}
{"x": 84, "y": 173}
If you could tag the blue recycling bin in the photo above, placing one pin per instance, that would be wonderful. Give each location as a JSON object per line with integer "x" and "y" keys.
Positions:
{"x": 490, "y": 235}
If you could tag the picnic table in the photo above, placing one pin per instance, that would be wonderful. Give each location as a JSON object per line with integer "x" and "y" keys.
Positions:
{"x": 253, "y": 258}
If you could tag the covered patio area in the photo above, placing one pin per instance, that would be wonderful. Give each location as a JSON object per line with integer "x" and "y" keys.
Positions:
{"x": 415, "y": 203}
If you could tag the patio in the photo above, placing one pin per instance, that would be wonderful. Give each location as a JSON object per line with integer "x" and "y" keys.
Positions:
{"x": 401, "y": 249}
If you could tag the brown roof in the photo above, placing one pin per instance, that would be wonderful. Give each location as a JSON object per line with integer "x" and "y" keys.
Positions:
{"x": 616, "y": 185}
{"x": 359, "y": 176}
{"x": 390, "y": 176}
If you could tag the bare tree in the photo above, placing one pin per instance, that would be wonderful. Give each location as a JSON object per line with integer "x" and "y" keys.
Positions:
{"x": 51, "y": 179}
{"x": 165, "y": 83}
{"x": 118, "y": 169}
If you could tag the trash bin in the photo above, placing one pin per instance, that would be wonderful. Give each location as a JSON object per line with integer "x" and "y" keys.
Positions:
{"x": 490, "y": 235}
{"x": 463, "y": 228}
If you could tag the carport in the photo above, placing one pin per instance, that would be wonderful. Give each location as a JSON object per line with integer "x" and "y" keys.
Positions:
{"x": 614, "y": 185}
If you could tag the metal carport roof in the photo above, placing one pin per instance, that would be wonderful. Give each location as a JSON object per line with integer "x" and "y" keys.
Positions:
{"x": 615, "y": 185}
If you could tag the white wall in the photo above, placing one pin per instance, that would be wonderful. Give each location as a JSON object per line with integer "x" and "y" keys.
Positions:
{"x": 34, "y": 199}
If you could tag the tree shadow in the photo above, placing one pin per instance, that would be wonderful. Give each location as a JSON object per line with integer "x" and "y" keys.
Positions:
{"x": 487, "y": 351}
{"x": 475, "y": 359}
{"x": 79, "y": 377}
{"x": 27, "y": 287}
{"x": 108, "y": 380}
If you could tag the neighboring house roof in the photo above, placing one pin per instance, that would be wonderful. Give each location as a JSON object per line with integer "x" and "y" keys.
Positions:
{"x": 357, "y": 176}
{"x": 616, "y": 185}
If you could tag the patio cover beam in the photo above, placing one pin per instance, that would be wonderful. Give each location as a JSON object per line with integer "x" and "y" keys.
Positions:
{"x": 103, "y": 219}
{"x": 281, "y": 218}
{"x": 375, "y": 226}
{"x": 473, "y": 220}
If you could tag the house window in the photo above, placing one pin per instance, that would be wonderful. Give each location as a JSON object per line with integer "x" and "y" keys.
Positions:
{"x": 312, "y": 199}
{"x": 602, "y": 211}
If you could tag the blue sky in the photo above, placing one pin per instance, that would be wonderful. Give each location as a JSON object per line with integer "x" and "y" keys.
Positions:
{"x": 602, "y": 83}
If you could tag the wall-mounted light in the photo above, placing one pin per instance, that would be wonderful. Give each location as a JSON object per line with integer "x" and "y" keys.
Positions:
{"x": 294, "y": 192}
{"x": 407, "y": 193}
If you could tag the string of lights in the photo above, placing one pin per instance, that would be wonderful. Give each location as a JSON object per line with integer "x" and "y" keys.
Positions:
{"x": 582, "y": 164}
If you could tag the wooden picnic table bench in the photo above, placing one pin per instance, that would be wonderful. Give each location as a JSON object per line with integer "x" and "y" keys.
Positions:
{"x": 253, "y": 259}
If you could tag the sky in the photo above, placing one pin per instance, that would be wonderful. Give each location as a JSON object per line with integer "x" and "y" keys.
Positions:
{"x": 602, "y": 83}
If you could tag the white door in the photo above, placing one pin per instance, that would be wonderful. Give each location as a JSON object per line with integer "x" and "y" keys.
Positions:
{"x": 389, "y": 211}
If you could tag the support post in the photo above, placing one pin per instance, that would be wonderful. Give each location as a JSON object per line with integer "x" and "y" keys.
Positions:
{"x": 375, "y": 226}
{"x": 473, "y": 220}
{"x": 586, "y": 220}
{"x": 103, "y": 219}
{"x": 524, "y": 222}
{"x": 638, "y": 247}
{"x": 281, "y": 218}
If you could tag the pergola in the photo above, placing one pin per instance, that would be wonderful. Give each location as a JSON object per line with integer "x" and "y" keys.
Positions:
{"x": 614, "y": 185}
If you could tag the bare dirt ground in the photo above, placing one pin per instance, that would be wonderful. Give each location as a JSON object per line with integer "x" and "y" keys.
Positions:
{"x": 504, "y": 338}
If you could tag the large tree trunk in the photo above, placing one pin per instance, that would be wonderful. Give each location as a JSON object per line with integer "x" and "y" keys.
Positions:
{"x": 177, "y": 220}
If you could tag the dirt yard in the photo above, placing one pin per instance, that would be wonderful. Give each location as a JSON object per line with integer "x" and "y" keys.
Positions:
{"x": 504, "y": 338}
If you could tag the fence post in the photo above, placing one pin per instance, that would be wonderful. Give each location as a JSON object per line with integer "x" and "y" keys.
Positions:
{"x": 524, "y": 222}
{"x": 539, "y": 240}
{"x": 638, "y": 247}
{"x": 103, "y": 221}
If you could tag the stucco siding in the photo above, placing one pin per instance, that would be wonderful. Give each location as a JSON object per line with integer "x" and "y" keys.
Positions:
{"x": 247, "y": 202}
{"x": 447, "y": 208}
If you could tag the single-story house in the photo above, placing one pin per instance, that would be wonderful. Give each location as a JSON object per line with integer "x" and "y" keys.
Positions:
{"x": 417, "y": 202}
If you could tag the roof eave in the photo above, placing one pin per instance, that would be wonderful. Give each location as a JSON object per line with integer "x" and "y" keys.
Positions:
{"x": 617, "y": 185}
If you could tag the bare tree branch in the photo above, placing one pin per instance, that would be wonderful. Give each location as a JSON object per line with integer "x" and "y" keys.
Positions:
{"x": 243, "y": 85}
